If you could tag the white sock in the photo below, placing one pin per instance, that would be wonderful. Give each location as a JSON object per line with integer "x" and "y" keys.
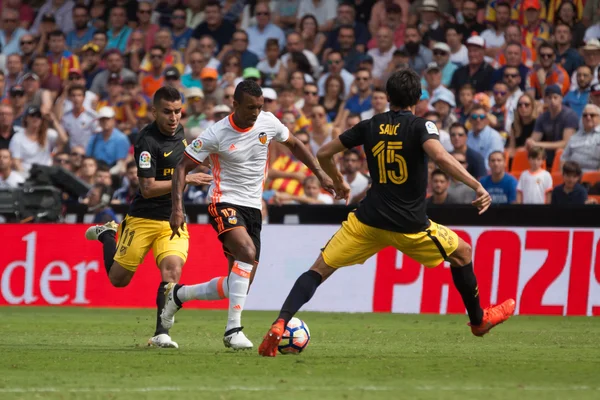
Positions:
{"x": 239, "y": 280}
{"x": 215, "y": 289}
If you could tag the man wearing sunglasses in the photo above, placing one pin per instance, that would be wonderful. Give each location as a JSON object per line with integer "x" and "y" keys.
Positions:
{"x": 11, "y": 33}
{"x": 546, "y": 73}
{"x": 482, "y": 137}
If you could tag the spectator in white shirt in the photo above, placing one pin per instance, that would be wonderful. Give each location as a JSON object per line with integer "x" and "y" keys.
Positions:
{"x": 79, "y": 122}
{"x": 382, "y": 54}
{"x": 535, "y": 184}
{"x": 494, "y": 36}
{"x": 358, "y": 183}
{"x": 325, "y": 11}
{"x": 379, "y": 104}
{"x": 8, "y": 177}
{"x": 335, "y": 64}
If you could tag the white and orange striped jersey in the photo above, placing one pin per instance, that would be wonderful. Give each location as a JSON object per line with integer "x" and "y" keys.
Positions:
{"x": 238, "y": 157}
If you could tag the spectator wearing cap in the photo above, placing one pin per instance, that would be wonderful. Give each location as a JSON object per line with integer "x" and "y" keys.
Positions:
{"x": 34, "y": 145}
{"x": 346, "y": 18}
{"x": 179, "y": 29}
{"x": 9, "y": 179}
{"x": 16, "y": 99}
{"x": 173, "y": 79}
{"x": 494, "y": 35}
{"x": 577, "y": 99}
{"x": 478, "y": 73}
{"x": 83, "y": 33}
{"x": 270, "y": 97}
{"x": 535, "y": 30}
{"x": 584, "y": 146}
{"x": 11, "y": 32}
{"x": 591, "y": 58}
{"x": 444, "y": 102}
{"x": 239, "y": 46}
{"x": 214, "y": 26}
{"x": 114, "y": 65}
{"x": 336, "y": 64}
{"x": 433, "y": 80}
{"x": 441, "y": 56}
{"x": 27, "y": 47}
{"x": 145, "y": 25}
{"x": 119, "y": 32}
{"x": 152, "y": 79}
{"x": 110, "y": 144}
{"x": 252, "y": 74}
{"x": 209, "y": 77}
{"x": 62, "y": 10}
{"x": 419, "y": 55}
{"x": 194, "y": 98}
{"x": 61, "y": 60}
{"x": 7, "y": 127}
{"x": 35, "y": 95}
{"x": 566, "y": 56}
{"x": 553, "y": 128}
{"x": 14, "y": 71}
{"x": 80, "y": 122}
{"x": 546, "y": 73}
{"x": 430, "y": 25}
{"x": 470, "y": 26}
{"x": 258, "y": 34}
{"x": 90, "y": 63}
{"x": 482, "y": 137}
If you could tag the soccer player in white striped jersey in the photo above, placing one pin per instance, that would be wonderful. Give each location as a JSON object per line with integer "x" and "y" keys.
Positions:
{"x": 237, "y": 148}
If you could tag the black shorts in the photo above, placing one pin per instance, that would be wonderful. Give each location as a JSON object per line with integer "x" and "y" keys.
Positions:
{"x": 226, "y": 216}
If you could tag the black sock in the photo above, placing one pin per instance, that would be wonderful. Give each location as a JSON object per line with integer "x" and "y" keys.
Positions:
{"x": 303, "y": 290}
{"x": 160, "y": 303}
{"x": 109, "y": 247}
{"x": 466, "y": 284}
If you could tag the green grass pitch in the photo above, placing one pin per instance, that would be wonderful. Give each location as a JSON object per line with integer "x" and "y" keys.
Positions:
{"x": 75, "y": 353}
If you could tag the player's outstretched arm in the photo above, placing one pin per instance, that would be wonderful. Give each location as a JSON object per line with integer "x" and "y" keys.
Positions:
{"x": 325, "y": 157}
{"x": 300, "y": 151}
{"x": 446, "y": 162}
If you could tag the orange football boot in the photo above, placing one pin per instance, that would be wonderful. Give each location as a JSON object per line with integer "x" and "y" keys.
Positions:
{"x": 268, "y": 347}
{"x": 494, "y": 315}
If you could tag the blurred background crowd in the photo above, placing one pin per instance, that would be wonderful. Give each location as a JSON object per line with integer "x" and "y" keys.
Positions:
{"x": 513, "y": 87}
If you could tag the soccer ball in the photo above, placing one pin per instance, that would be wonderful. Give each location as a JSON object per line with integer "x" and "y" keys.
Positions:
{"x": 295, "y": 338}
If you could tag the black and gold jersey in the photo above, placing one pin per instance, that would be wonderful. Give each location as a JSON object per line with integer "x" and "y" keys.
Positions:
{"x": 156, "y": 156}
{"x": 393, "y": 143}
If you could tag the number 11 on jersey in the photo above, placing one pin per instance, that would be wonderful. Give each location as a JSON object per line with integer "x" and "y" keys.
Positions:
{"x": 386, "y": 159}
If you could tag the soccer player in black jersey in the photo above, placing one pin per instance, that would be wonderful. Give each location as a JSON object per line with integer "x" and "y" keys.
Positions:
{"x": 158, "y": 149}
{"x": 397, "y": 145}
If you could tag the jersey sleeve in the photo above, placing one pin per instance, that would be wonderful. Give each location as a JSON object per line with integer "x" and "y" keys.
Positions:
{"x": 145, "y": 157}
{"x": 426, "y": 130}
{"x": 282, "y": 133}
{"x": 202, "y": 146}
{"x": 355, "y": 136}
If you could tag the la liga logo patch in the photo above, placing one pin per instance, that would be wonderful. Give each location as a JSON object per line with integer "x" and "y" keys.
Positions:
{"x": 197, "y": 145}
{"x": 145, "y": 161}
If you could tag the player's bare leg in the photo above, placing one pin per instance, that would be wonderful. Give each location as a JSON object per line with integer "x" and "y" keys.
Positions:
{"x": 481, "y": 321}
{"x": 304, "y": 289}
{"x": 170, "y": 271}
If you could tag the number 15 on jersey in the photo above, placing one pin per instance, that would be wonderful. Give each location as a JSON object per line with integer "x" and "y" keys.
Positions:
{"x": 392, "y": 166}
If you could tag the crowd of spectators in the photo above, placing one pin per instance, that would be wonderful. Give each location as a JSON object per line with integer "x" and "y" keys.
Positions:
{"x": 513, "y": 86}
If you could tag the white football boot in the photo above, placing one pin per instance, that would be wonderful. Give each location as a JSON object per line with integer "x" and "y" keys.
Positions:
{"x": 167, "y": 315}
{"x": 163, "y": 340}
{"x": 236, "y": 340}
{"x": 93, "y": 232}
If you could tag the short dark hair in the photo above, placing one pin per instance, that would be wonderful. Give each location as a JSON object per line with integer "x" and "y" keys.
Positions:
{"x": 404, "y": 88}
{"x": 272, "y": 42}
{"x": 353, "y": 115}
{"x": 167, "y": 93}
{"x": 56, "y": 33}
{"x": 75, "y": 88}
{"x": 213, "y": 3}
{"x": 102, "y": 166}
{"x": 249, "y": 87}
{"x": 80, "y": 7}
{"x": 157, "y": 47}
{"x": 571, "y": 168}
{"x": 503, "y": 4}
{"x": 130, "y": 164}
{"x": 496, "y": 152}
{"x": 536, "y": 152}
{"x": 547, "y": 46}
{"x": 457, "y": 125}
{"x": 431, "y": 113}
{"x": 466, "y": 86}
{"x": 438, "y": 171}
{"x": 354, "y": 151}
{"x": 103, "y": 33}
{"x": 561, "y": 23}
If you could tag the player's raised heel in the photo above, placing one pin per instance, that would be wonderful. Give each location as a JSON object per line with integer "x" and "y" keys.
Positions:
{"x": 268, "y": 347}
{"x": 167, "y": 315}
{"x": 163, "y": 340}
{"x": 236, "y": 340}
{"x": 93, "y": 232}
{"x": 493, "y": 316}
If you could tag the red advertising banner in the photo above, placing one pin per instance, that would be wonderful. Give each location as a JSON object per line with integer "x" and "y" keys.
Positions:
{"x": 548, "y": 271}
